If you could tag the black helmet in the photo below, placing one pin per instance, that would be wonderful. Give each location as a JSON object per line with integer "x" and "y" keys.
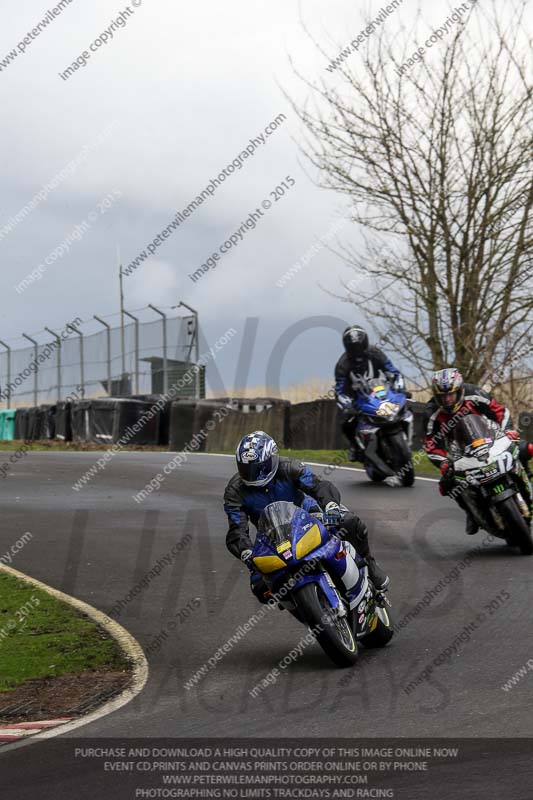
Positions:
{"x": 355, "y": 341}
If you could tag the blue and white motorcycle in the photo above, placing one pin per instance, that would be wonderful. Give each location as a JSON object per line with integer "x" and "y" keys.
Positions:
{"x": 319, "y": 578}
{"x": 384, "y": 431}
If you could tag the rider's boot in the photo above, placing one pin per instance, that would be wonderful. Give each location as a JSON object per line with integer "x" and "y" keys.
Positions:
{"x": 355, "y": 453}
{"x": 471, "y": 525}
{"x": 379, "y": 578}
{"x": 356, "y": 533}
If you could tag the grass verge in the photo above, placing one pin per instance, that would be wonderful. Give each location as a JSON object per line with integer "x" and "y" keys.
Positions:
{"x": 45, "y": 643}
{"x": 423, "y": 465}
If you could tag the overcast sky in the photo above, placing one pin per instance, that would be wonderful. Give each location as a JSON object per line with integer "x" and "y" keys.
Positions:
{"x": 184, "y": 87}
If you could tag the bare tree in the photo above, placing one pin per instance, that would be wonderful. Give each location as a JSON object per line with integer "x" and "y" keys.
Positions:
{"x": 435, "y": 156}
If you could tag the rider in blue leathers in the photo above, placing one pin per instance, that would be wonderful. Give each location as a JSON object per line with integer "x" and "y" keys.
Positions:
{"x": 359, "y": 360}
{"x": 264, "y": 477}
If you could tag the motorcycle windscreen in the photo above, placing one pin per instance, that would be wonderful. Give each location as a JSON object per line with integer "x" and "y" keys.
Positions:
{"x": 276, "y": 521}
{"x": 473, "y": 432}
{"x": 379, "y": 389}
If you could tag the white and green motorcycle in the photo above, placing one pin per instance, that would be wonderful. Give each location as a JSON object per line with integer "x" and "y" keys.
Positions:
{"x": 492, "y": 480}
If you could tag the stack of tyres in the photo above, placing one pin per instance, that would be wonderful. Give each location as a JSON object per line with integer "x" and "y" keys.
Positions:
{"x": 136, "y": 422}
{"x": 21, "y": 424}
{"x": 111, "y": 420}
{"x": 181, "y": 428}
{"x": 79, "y": 417}
{"x": 63, "y": 425}
{"x": 47, "y": 415}
{"x": 164, "y": 406}
{"x": 41, "y": 422}
{"x": 34, "y": 423}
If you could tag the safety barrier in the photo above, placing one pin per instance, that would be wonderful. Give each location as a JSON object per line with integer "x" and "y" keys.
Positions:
{"x": 315, "y": 426}
{"x": 7, "y": 424}
{"x": 63, "y": 421}
{"x": 214, "y": 425}
{"x": 227, "y": 431}
{"x": 181, "y": 426}
{"x": 109, "y": 421}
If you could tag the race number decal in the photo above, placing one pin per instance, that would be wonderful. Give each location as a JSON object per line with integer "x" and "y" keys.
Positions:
{"x": 505, "y": 462}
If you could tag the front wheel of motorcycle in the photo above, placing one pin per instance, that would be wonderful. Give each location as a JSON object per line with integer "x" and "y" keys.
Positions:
{"x": 372, "y": 472}
{"x": 383, "y": 630}
{"x": 333, "y": 633}
{"x": 519, "y": 532}
{"x": 401, "y": 458}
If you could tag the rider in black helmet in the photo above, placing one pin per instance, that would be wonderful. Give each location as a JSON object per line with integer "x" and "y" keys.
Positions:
{"x": 360, "y": 360}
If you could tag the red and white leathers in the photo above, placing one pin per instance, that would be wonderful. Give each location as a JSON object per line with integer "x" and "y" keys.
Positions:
{"x": 439, "y": 422}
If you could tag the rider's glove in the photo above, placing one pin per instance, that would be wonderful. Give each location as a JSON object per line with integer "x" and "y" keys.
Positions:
{"x": 399, "y": 384}
{"x": 259, "y": 587}
{"x": 514, "y": 435}
{"x": 333, "y": 514}
{"x": 446, "y": 482}
{"x": 344, "y": 402}
{"x": 246, "y": 558}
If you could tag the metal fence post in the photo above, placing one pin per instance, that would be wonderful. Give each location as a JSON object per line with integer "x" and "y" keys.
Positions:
{"x": 108, "y": 336}
{"x": 194, "y": 339}
{"x": 8, "y": 394}
{"x": 35, "y": 374}
{"x": 82, "y": 365}
{"x": 58, "y": 340}
{"x": 165, "y": 371}
{"x": 136, "y": 322}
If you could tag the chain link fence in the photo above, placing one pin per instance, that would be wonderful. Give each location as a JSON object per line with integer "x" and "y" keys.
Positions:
{"x": 101, "y": 358}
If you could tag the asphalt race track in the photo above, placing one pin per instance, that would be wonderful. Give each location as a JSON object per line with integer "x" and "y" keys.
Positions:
{"x": 98, "y": 543}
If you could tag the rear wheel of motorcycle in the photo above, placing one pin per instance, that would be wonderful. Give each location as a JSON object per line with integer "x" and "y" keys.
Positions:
{"x": 519, "y": 531}
{"x": 382, "y": 633}
{"x": 402, "y": 459}
{"x": 335, "y": 637}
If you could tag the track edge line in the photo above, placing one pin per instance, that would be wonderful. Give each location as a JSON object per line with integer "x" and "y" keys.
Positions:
{"x": 126, "y": 641}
